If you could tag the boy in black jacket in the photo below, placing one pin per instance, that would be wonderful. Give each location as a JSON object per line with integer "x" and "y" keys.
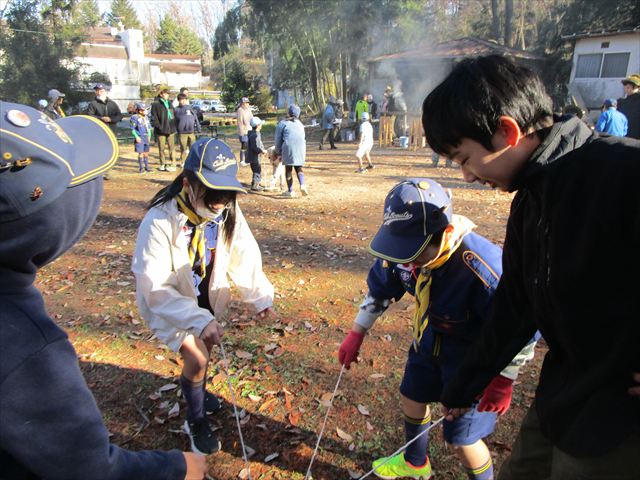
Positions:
{"x": 255, "y": 148}
{"x": 187, "y": 125}
{"x": 570, "y": 261}
{"x": 50, "y": 193}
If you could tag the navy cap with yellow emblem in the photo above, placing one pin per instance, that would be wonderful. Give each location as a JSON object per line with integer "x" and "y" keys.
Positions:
{"x": 41, "y": 158}
{"x": 414, "y": 211}
{"x": 214, "y": 164}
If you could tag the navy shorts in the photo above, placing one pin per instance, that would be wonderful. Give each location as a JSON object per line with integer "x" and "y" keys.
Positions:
{"x": 425, "y": 373}
{"x": 142, "y": 147}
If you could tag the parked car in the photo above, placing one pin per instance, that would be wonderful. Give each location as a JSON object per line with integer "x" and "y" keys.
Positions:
{"x": 217, "y": 106}
{"x": 204, "y": 105}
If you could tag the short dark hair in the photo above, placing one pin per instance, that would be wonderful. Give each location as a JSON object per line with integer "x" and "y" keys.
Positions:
{"x": 182, "y": 96}
{"x": 184, "y": 89}
{"x": 477, "y": 92}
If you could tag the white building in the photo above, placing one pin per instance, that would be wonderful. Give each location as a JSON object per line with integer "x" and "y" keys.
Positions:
{"x": 600, "y": 61}
{"x": 120, "y": 55}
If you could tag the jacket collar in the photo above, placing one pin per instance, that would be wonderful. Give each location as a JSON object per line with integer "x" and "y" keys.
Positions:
{"x": 559, "y": 139}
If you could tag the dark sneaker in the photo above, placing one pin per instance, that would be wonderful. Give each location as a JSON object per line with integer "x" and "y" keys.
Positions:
{"x": 211, "y": 403}
{"x": 203, "y": 440}
{"x": 371, "y": 167}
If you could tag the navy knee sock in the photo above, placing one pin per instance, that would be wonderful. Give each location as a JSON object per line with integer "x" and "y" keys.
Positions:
{"x": 416, "y": 453}
{"x": 193, "y": 393}
{"x": 485, "y": 472}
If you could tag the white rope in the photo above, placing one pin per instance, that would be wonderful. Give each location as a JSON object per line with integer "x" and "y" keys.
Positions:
{"x": 402, "y": 448}
{"x": 235, "y": 410}
{"x": 324, "y": 424}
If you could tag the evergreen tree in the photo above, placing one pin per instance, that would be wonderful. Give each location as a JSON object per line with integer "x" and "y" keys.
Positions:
{"x": 45, "y": 59}
{"x": 123, "y": 11}
{"x": 87, "y": 13}
{"x": 178, "y": 39}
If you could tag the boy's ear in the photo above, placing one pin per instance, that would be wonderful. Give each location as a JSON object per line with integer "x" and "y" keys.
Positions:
{"x": 509, "y": 128}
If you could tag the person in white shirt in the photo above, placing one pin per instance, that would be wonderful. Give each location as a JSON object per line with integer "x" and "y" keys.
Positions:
{"x": 366, "y": 144}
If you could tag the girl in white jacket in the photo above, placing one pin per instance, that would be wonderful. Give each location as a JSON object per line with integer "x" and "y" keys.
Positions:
{"x": 191, "y": 240}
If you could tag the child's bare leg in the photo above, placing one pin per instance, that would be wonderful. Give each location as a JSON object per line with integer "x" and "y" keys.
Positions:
{"x": 368, "y": 157}
{"x": 476, "y": 459}
{"x": 359, "y": 162}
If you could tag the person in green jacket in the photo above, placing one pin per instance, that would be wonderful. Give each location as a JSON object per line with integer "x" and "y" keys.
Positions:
{"x": 361, "y": 106}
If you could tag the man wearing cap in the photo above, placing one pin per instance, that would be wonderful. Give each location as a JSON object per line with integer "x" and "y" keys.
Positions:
{"x": 54, "y": 108}
{"x": 50, "y": 193}
{"x": 629, "y": 106}
{"x": 425, "y": 250}
{"x": 103, "y": 107}
{"x": 244, "y": 116}
{"x": 328, "y": 123}
{"x": 611, "y": 121}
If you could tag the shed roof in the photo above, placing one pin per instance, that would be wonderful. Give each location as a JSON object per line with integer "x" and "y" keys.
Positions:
{"x": 179, "y": 68}
{"x": 601, "y": 33}
{"x": 102, "y": 51}
{"x": 462, "y": 47}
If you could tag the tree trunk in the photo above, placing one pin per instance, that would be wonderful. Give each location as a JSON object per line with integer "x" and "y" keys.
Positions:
{"x": 495, "y": 20}
{"x": 343, "y": 76}
{"x": 508, "y": 22}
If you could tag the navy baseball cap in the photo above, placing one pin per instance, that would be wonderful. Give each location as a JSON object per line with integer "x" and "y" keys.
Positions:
{"x": 100, "y": 86}
{"x": 141, "y": 106}
{"x": 214, "y": 164}
{"x": 40, "y": 158}
{"x": 414, "y": 211}
{"x": 610, "y": 102}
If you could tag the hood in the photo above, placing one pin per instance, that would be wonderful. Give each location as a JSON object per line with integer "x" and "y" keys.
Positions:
{"x": 29, "y": 243}
{"x": 559, "y": 139}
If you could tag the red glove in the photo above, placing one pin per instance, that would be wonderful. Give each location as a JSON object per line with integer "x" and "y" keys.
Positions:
{"x": 350, "y": 347}
{"x": 497, "y": 396}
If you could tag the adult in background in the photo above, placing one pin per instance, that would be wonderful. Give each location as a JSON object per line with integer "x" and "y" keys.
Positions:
{"x": 50, "y": 425}
{"x": 54, "y": 108}
{"x": 163, "y": 118}
{"x": 328, "y": 123}
{"x": 291, "y": 145}
{"x": 629, "y": 106}
{"x": 187, "y": 125}
{"x": 611, "y": 121}
{"x": 103, "y": 108}
{"x": 244, "y": 117}
{"x": 373, "y": 107}
{"x": 183, "y": 91}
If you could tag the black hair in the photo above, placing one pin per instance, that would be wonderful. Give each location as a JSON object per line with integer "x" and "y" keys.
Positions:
{"x": 182, "y": 96}
{"x": 184, "y": 89}
{"x": 211, "y": 196}
{"x": 477, "y": 92}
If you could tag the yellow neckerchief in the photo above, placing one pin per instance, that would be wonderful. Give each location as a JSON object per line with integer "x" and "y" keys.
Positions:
{"x": 451, "y": 240}
{"x": 198, "y": 245}
{"x": 60, "y": 111}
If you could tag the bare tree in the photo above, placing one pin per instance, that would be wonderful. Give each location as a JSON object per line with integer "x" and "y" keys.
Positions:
{"x": 495, "y": 20}
{"x": 508, "y": 22}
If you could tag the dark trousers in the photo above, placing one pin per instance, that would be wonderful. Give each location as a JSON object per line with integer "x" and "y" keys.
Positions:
{"x": 534, "y": 457}
{"x": 328, "y": 133}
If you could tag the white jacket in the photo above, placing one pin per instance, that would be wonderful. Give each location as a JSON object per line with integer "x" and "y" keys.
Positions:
{"x": 165, "y": 291}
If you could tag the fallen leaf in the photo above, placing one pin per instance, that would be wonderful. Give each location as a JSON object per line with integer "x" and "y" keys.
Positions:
{"x": 363, "y": 410}
{"x": 377, "y": 375}
{"x": 175, "y": 411}
{"x": 294, "y": 418}
{"x": 270, "y": 457}
{"x": 268, "y": 404}
{"x": 244, "y": 474}
{"x": 353, "y": 474}
{"x": 244, "y": 355}
{"x": 167, "y": 387}
{"x": 369, "y": 426}
{"x": 254, "y": 398}
{"x": 344, "y": 435}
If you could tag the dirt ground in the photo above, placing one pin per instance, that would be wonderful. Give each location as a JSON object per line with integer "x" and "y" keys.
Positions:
{"x": 282, "y": 371}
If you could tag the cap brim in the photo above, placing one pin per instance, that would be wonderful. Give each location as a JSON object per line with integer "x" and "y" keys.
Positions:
{"x": 94, "y": 144}
{"x": 397, "y": 248}
{"x": 220, "y": 182}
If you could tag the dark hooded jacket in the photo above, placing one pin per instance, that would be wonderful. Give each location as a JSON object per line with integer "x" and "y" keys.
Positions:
{"x": 570, "y": 270}
{"x": 108, "y": 108}
{"x": 50, "y": 425}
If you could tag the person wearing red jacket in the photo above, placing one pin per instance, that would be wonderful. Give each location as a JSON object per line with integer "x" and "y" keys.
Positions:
{"x": 426, "y": 251}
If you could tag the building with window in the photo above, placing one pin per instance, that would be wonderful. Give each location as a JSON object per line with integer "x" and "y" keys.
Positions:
{"x": 600, "y": 61}
{"x": 120, "y": 56}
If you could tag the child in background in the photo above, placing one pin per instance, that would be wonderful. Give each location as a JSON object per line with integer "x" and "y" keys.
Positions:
{"x": 426, "y": 251}
{"x": 142, "y": 132}
{"x": 255, "y": 148}
{"x": 366, "y": 143}
{"x": 187, "y": 125}
{"x": 191, "y": 241}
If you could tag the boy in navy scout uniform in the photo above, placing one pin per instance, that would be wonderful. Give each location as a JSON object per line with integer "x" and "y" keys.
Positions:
{"x": 423, "y": 249}
{"x": 141, "y": 130}
{"x": 50, "y": 192}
